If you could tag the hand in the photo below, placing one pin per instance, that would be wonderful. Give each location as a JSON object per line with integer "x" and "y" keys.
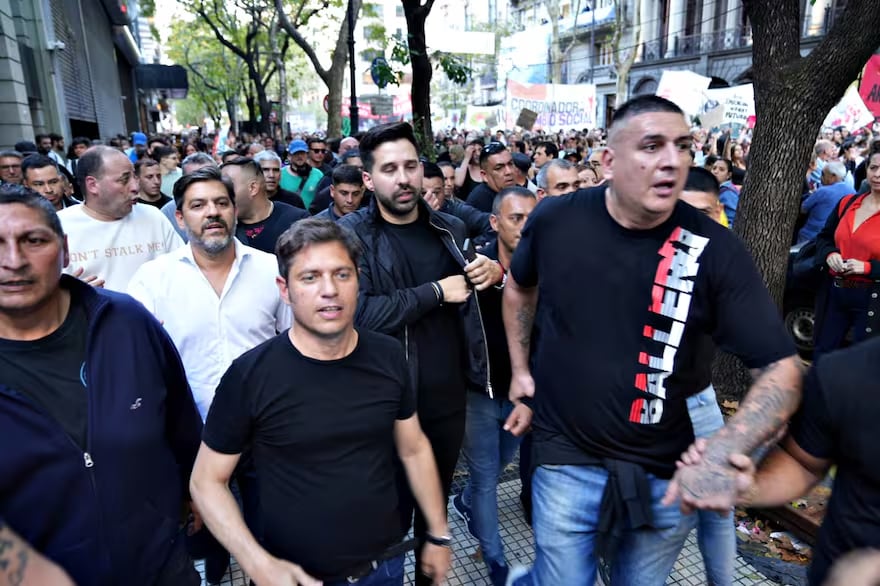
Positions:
{"x": 197, "y": 522}
{"x": 857, "y": 568}
{"x": 855, "y": 267}
{"x": 436, "y": 560}
{"x": 519, "y": 421}
{"x": 455, "y": 289}
{"x": 278, "y": 572}
{"x": 432, "y": 200}
{"x": 835, "y": 262}
{"x": 521, "y": 385}
{"x": 700, "y": 485}
{"x": 483, "y": 272}
{"x": 92, "y": 280}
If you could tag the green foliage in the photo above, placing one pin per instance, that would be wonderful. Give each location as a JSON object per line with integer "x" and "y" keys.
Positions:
{"x": 454, "y": 67}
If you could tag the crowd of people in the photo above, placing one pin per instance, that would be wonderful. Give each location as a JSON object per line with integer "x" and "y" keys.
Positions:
{"x": 278, "y": 350}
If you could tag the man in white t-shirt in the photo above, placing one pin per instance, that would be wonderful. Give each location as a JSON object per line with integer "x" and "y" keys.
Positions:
{"x": 109, "y": 236}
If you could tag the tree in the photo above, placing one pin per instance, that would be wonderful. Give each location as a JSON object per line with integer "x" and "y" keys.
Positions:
{"x": 631, "y": 21}
{"x": 334, "y": 76}
{"x": 416, "y": 13}
{"x": 244, "y": 27}
{"x": 558, "y": 55}
{"x": 792, "y": 96}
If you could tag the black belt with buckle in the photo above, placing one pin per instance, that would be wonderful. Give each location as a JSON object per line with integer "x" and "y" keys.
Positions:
{"x": 853, "y": 283}
{"x": 363, "y": 570}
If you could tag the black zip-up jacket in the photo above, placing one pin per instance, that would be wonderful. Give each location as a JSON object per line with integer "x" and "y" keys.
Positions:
{"x": 476, "y": 222}
{"x": 386, "y": 307}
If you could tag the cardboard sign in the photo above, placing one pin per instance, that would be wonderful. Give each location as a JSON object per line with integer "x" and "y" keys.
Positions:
{"x": 526, "y": 119}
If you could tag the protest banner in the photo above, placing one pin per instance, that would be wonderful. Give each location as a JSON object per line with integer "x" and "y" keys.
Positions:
{"x": 850, "y": 112}
{"x": 480, "y": 117}
{"x": 559, "y": 106}
{"x": 685, "y": 89}
{"x": 870, "y": 86}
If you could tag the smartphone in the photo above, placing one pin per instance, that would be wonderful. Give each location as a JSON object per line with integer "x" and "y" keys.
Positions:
{"x": 468, "y": 250}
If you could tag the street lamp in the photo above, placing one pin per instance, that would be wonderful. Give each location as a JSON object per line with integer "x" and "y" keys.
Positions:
{"x": 353, "y": 106}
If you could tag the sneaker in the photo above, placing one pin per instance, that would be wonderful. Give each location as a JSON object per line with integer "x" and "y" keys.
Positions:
{"x": 498, "y": 573}
{"x": 515, "y": 573}
{"x": 464, "y": 511}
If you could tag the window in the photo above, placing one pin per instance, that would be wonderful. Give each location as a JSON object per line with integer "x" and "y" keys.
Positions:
{"x": 398, "y": 11}
{"x": 602, "y": 54}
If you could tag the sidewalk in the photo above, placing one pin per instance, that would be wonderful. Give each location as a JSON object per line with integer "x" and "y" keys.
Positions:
{"x": 467, "y": 571}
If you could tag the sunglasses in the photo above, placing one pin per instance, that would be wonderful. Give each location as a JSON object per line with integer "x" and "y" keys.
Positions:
{"x": 319, "y": 151}
{"x": 493, "y": 148}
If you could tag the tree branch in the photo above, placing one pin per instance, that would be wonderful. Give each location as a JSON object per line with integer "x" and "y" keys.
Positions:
{"x": 301, "y": 42}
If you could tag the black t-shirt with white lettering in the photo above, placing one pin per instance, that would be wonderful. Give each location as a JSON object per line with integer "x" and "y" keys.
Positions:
{"x": 837, "y": 421}
{"x": 51, "y": 372}
{"x": 263, "y": 235}
{"x": 627, "y": 320}
{"x": 322, "y": 435}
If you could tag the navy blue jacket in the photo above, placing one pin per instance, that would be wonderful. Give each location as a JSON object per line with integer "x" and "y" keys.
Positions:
{"x": 109, "y": 515}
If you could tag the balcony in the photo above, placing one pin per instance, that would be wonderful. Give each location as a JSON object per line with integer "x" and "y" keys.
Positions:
{"x": 696, "y": 45}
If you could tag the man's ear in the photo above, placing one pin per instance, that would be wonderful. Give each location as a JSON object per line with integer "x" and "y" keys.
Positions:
{"x": 607, "y": 163}
{"x": 368, "y": 180}
{"x": 493, "y": 222}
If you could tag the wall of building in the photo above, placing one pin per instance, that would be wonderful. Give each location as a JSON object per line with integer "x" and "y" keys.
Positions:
{"x": 15, "y": 116}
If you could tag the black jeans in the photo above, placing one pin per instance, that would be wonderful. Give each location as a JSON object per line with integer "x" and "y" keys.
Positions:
{"x": 446, "y": 436}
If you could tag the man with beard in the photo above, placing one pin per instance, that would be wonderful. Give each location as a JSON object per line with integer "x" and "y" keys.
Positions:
{"x": 43, "y": 176}
{"x": 300, "y": 177}
{"x": 498, "y": 172}
{"x": 150, "y": 183}
{"x": 215, "y": 296}
{"x": 270, "y": 163}
{"x": 260, "y": 220}
{"x": 414, "y": 282}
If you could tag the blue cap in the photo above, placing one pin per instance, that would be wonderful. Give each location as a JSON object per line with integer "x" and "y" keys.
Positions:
{"x": 138, "y": 138}
{"x": 298, "y": 146}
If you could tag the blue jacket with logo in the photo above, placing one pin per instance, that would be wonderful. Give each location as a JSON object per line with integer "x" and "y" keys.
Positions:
{"x": 109, "y": 514}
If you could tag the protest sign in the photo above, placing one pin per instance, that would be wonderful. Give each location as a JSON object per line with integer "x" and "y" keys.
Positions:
{"x": 685, "y": 89}
{"x": 559, "y": 106}
{"x": 851, "y": 112}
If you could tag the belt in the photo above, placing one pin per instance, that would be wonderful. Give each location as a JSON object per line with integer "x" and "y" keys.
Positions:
{"x": 852, "y": 284}
{"x": 355, "y": 573}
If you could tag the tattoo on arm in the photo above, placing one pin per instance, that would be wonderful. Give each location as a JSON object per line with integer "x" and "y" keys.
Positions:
{"x": 525, "y": 318}
{"x": 12, "y": 549}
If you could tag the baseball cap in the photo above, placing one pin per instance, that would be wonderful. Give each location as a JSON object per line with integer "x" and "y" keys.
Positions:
{"x": 138, "y": 138}
{"x": 298, "y": 146}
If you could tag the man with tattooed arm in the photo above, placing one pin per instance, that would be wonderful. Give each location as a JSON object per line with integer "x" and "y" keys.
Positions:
{"x": 631, "y": 291}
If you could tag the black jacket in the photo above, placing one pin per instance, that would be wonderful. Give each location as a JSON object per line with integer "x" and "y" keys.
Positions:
{"x": 496, "y": 338}
{"x": 475, "y": 221}
{"x": 385, "y": 307}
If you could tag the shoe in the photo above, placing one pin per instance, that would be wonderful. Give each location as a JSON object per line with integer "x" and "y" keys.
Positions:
{"x": 515, "y": 573}
{"x": 526, "y": 503}
{"x": 464, "y": 511}
{"x": 498, "y": 573}
{"x": 216, "y": 565}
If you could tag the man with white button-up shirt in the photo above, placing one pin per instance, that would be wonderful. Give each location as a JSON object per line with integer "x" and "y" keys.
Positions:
{"x": 215, "y": 296}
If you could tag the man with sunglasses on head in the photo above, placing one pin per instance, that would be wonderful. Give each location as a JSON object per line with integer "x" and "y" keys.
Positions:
{"x": 498, "y": 171}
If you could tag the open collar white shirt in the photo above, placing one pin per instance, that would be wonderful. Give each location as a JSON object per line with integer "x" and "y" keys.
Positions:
{"x": 211, "y": 331}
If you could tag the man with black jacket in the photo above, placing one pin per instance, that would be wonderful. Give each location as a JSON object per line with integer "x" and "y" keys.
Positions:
{"x": 488, "y": 447}
{"x": 414, "y": 285}
{"x": 433, "y": 190}
{"x": 100, "y": 429}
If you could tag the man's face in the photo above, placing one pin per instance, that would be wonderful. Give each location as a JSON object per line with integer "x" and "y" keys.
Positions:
{"x": 10, "y": 170}
{"x": 150, "y": 180}
{"x": 317, "y": 151}
{"x": 208, "y": 216}
{"x": 541, "y": 157}
{"x": 45, "y": 145}
{"x": 244, "y": 187}
{"x": 79, "y": 149}
{"x": 721, "y": 171}
{"x": 595, "y": 161}
{"x": 648, "y": 160}
{"x": 433, "y": 186}
{"x": 561, "y": 181}
{"x": 511, "y": 217}
{"x": 268, "y": 143}
{"x": 47, "y": 182}
{"x": 348, "y": 143}
{"x": 271, "y": 174}
{"x": 170, "y": 162}
{"x": 704, "y": 201}
{"x": 114, "y": 194}
{"x": 322, "y": 290}
{"x": 448, "y": 181}
{"x": 498, "y": 171}
{"x": 299, "y": 159}
{"x": 153, "y": 145}
{"x": 346, "y": 197}
{"x": 396, "y": 177}
{"x": 58, "y": 145}
{"x": 31, "y": 259}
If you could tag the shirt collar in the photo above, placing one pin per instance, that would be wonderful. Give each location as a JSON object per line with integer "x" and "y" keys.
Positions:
{"x": 185, "y": 253}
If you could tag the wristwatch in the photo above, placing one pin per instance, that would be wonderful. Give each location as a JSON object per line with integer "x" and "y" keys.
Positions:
{"x": 445, "y": 541}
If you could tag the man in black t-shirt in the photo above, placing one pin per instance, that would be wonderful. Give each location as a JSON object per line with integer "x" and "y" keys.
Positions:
{"x": 413, "y": 287}
{"x": 260, "y": 220}
{"x": 322, "y": 407}
{"x": 627, "y": 286}
{"x": 498, "y": 172}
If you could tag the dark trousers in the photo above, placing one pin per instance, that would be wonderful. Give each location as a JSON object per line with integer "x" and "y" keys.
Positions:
{"x": 839, "y": 309}
{"x": 446, "y": 436}
{"x": 525, "y": 476}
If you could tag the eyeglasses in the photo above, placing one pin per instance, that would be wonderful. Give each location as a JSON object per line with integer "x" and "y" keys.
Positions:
{"x": 323, "y": 151}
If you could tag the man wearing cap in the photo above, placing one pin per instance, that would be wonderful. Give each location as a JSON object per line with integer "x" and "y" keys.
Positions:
{"x": 300, "y": 177}
{"x": 137, "y": 139}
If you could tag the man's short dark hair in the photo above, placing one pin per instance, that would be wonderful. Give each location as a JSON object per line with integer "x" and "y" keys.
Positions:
{"x": 313, "y": 231}
{"x": 80, "y": 140}
{"x": 431, "y": 171}
{"x": 13, "y": 193}
{"x": 36, "y": 162}
{"x": 161, "y": 152}
{"x": 153, "y": 139}
{"x": 645, "y": 104}
{"x": 379, "y": 135}
{"x": 91, "y": 164}
{"x": 25, "y": 147}
{"x": 39, "y": 138}
{"x": 246, "y": 164}
{"x": 491, "y": 149}
{"x": 8, "y": 153}
{"x": 442, "y": 164}
{"x": 227, "y": 155}
{"x": 522, "y": 162}
{"x": 55, "y": 136}
{"x": 710, "y": 160}
{"x": 145, "y": 162}
{"x": 315, "y": 140}
{"x": 352, "y": 154}
{"x": 700, "y": 179}
{"x": 550, "y": 148}
{"x": 200, "y": 176}
{"x": 513, "y": 191}
{"x": 347, "y": 174}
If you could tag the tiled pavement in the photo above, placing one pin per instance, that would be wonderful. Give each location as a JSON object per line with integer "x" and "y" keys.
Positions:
{"x": 517, "y": 537}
